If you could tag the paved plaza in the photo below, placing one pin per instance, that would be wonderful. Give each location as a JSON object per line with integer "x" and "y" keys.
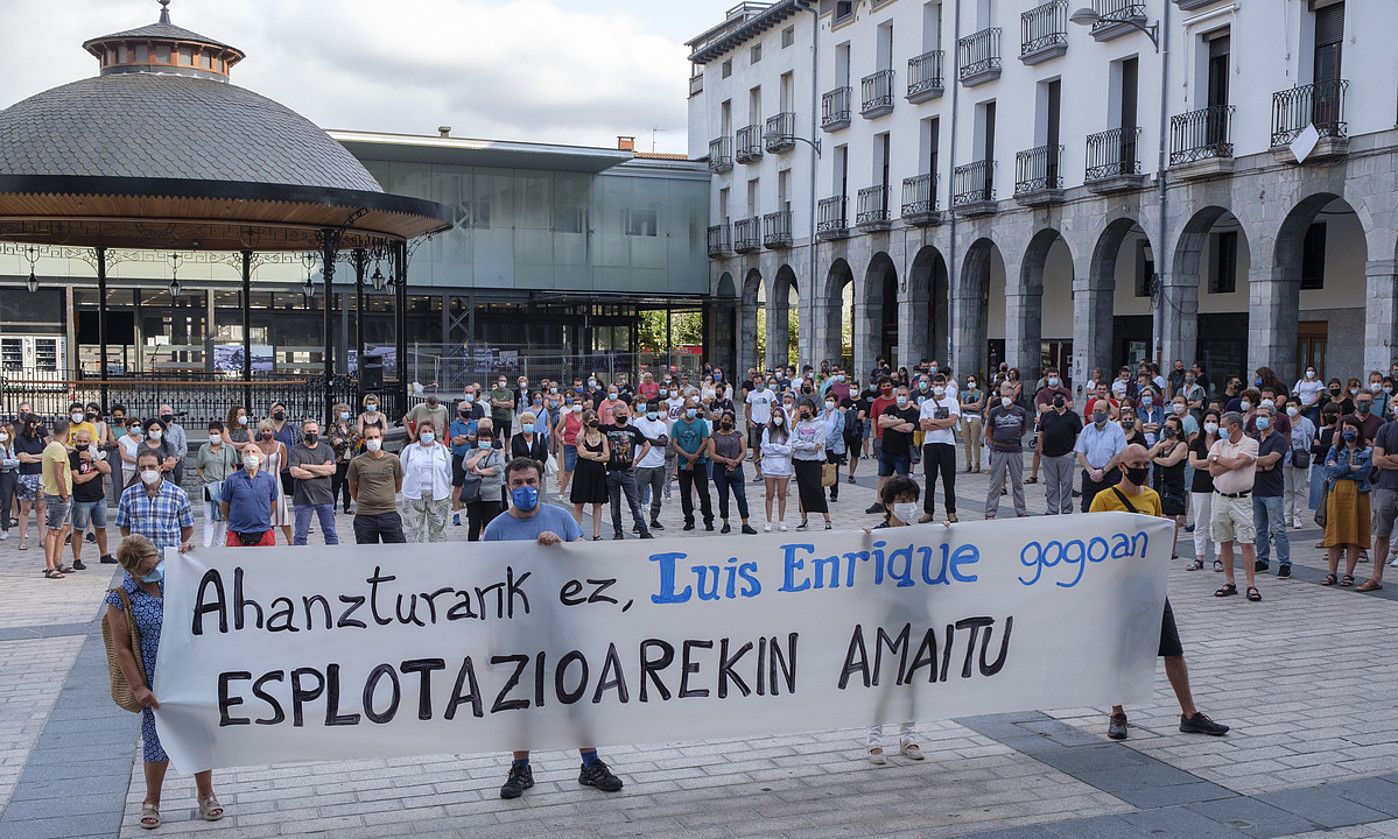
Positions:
{"x": 1306, "y": 678}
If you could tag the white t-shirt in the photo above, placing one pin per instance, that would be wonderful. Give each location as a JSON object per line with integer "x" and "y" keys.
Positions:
{"x": 652, "y": 430}
{"x": 760, "y": 406}
{"x": 674, "y": 407}
{"x": 1310, "y": 390}
{"x": 929, "y": 411}
{"x": 1118, "y": 388}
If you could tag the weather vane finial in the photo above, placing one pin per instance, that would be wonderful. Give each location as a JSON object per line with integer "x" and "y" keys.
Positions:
{"x": 164, "y": 11}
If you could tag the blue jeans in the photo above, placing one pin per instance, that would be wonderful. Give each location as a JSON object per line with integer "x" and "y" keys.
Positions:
{"x": 1270, "y": 522}
{"x": 324, "y": 512}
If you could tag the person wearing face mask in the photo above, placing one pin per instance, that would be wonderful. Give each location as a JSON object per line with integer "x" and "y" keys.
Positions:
{"x": 247, "y": 501}
{"x": 689, "y": 441}
{"x": 626, "y": 445}
{"x": 1233, "y": 465}
{"x": 461, "y": 437}
{"x": 1168, "y": 458}
{"x": 883, "y": 400}
{"x": 78, "y": 421}
{"x": 1383, "y": 499}
{"x": 87, "y": 466}
{"x": 154, "y": 440}
{"x": 9, "y": 477}
{"x": 502, "y": 407}
{"x": 808, "y": 462}
{"x": 285, "y": 433}
{"x": 214, "y": 462}
{"x": 1005, "y": 425}
{"x": 759, "y": 413}
{"x": 674, "y": 410}
{"x": 1324, "y": 439}
{"x": 971, "y": 401}
{"x": 1131, "y": 495}
{"x": 1201, "y": 490}
{"x": 427, "y": 485}
{"x": 1098, "y": 449}
{"x": 431, "y": 409}
{"x": 1298, "y": 465}
{"x": 939, "y": 418}
{"x": 590, "y": 480}
{"x": 375, "y": 479}
{"x": 727, "y": 446}
{"x": 156, "y": 508}
{"x": 29, "y": 451}
{"x": 140, "y": 598}
{"x": 274, "y": 456}
{"x": 176, "y": 439}
{"x": 481, "y": 491}
{"x": 650, "y": 469}
{"x": 566, "y": 433}
{"x": 1051, "y": 386}
{"x": 312, "y": 465}
{"x": 776, "y": 451}
{"x": 116, "y": 430}
{"x": 128, "y": 446}
{"x": 1369, "y": 421}
{"x": 237, "y": 435}
{"x": 371, "y": 416}
{"x": 343, "y": 442}
{"x": 896, "y": 420}
{"x": 1058, "y": 433}
{"x": 1149, "y": 412}
{"x": 1310, "y": 390}
{"x": 1348, "y": 467}
{"x": 835, "y": 447}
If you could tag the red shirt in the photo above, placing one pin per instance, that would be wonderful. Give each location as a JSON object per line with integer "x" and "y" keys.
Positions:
{"x": 649, "y": 390}
{"x": 1091, "y": 405}
{"x": 880, "y": 402}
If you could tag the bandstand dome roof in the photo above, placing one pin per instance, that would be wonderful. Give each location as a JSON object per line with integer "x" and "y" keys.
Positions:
{"x": 161, "y": 150}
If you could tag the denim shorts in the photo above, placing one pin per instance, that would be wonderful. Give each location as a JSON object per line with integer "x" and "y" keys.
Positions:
{"x": 57, "y": 511}
{"x": 90, "y": 511}
{"x": 570, "y": 458}
{"x": 893, "y": 464}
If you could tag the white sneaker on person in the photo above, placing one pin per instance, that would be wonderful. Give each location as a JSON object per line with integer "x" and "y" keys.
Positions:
{"x": 782, "y": 527}
{"x": 1394, "y": 563}
{"x": 767, "y": 528}
{"x": 4, "y": 534}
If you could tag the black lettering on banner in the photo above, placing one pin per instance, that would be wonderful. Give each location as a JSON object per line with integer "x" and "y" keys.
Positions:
{"x": 225, "y": 701}
{"x": 568, "y": 595}
{"x": 515, "y": 590}
{"x": 539, "y": 678}
{"x": 992, "y": 669}
{"x": 521, "y": 662}
{"x": 726, "y": 671}
{"x": 974, "y": 624}
{"x": 896, "y": 646}
{"x": 568, "y": 697}
{"x": 373, "y": 580}
{"x": 687, "y": 667}
{"x": 651, "y": 666}
{"x": 278, "y": 715}
{"x": 597, "y": 596}
{"x": 926, "y": 656}
{"x": 307, "y": 602}
{"x": 284, "y": 611}
{"x": 240, "y": 604}
{"x": 432, "y": 601}
{"x": 761, "y": 666}
{"x": 467, "y": 673}
{"x": 345, "y": 620}
{"x": 946, "y": 652}
{"x": 371, "y": 685}
{"x": 616, "y": 681}
{"x": 423, "y": 667}
{"x": 462, "y": 609}
{"x": 411, "y": 617}
{"x": 219, "y": 606}
{"x": 856, "y": 659}
{"x": 785, "y": 661}
{"x": 333, "y": 717}
{"x": 301, "y": 695}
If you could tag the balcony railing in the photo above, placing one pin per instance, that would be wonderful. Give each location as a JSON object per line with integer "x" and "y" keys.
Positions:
{"x": 1037, "y": 170}
{"x": 1321, "y": 104}
{"x": 776, "y": 229}
{"x": 1201, "y": 134}
{"x": 1113, "y": 14}
{"x": 696, "y": 84}
{"x": 872, "y": 206}
{"x": 919, "y": 197}
{"x": 830, "y": 217}
{"x": 721, "y": 154}
{"x": 876, "y": 93}
{"x": 1112, "y": 154}
{"x": 719, "y": 240}
{"x": 973, "y": 183}
{"x": 834, "y": 109}
{"x": 749, "y": 144}
{"x": 747, "y": 235}
{"x": 781, "y": 131}
{"x": 925, "y": 76}
{"x": 1043, "y": 28}
{"x": 979, "y": 54}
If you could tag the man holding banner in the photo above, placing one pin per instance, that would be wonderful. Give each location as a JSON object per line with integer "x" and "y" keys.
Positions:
{"x": 1131, "y": 495}
{"x": 528, "y": 520}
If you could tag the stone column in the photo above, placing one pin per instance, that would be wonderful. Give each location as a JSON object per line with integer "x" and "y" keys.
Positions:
{"x": 968, "y": 338}
{"x": 1274, "y": 298}
{"x": 913, "y": 325}
{"x": 1179, "y": 303}
{"x": 747, "y": 336}
{"x": 777, "y": 332}
{"x": 1380, "y": 314}
{"x": 1024, "y": 294}
{"x": 1093, "y": 287}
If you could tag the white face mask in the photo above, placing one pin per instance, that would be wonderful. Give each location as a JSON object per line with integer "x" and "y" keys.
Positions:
{"x": 1292, "y": 410}
{"x": 939, "y": 391}
{"x": 1211, "y": 427}
{"x": 1006, "y": 401}
{"x": 155, "y": 433}
{"x": 906, "y": 511}
{"x": 251, "y": 463}
{"x": 777, "y": 421}
{"x": 242, "y": 420}
{"x": 4, "y": 438}
{"x": 77, "y": 417}
{"x": 1245, "y": 405}
{"x": 150, "y": 477}
{"x": 215, "y": 439}
{"x": 427, "y": 437}
{"x": 373, "y": 444}
{"x": 1179, "y": 408}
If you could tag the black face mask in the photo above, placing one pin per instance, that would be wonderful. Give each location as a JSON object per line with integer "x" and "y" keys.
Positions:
{"x": 1137, "y": 476}
{"x": 311, "y": 439}
{"x": 1334, "y": 391}
{"x": 279, "y": 416}
{"x": 726, "y": 425}
{"x": 166, "y": 419}
{"x": 1058, "y": 402}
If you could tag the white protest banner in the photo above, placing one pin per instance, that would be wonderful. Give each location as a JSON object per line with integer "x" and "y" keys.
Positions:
{"x": 279, "y": 654}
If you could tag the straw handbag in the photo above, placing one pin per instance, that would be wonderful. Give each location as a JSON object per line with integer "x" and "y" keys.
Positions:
{"x": 121, "y": 690}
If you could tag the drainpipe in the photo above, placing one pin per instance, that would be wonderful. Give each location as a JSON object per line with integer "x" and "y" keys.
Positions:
{"x": 952, "y": 279}
{"x": 1162, "y": 228}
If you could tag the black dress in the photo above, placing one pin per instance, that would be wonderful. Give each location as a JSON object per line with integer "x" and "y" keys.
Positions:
{"x": 590, "y": 478}
{"x": 1169, "y": 482}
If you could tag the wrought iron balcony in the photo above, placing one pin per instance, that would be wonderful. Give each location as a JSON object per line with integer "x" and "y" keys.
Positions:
{"x": 920, "y": 199}
{"x": 925, "y": 76}
{"x": 979, "y": 56}
{"x": 749, "y": 144}
{"x": 876, "y": 94}
{"x": 1113, "y": 16}
{"x": 719, "y": 240}
{"x": 872, "y": 208}
{"x": 1113, "y": 161}
{"x": 1038, "y": 176}
{"x": 831, "y": 222}
{"x": 721, "y": 155}
{"x": 1321, "y": 104}
{"x": 747, "y": 235}
{"x": 973, "y": 186}
{"x": 776, "y": 230}
{"x": 1043, "y": 32}
{"x": 834, "y": 109}
{"x": 1205, "y": 134}
{"x": 780, "y": 135}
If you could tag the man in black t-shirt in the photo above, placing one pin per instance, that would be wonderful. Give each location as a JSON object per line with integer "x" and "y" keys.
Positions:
{"x": 898, "y": 422}
{"x": 623, "y": 439}
{"x": 1268, "y": 489}
{"x": 89, "y": 466}
{"x": 1058, "y": 434}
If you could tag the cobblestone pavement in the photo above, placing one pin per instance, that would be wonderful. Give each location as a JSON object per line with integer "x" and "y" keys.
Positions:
{"x": 1307, "y": 678}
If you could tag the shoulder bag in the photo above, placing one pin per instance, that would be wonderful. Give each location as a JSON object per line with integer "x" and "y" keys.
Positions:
{"x": 122, "y": 694}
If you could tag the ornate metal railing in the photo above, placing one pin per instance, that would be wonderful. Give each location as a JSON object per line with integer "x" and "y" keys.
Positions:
{"x": 1112, "y": 12}
{"x": 872, "y": 205}
{"x": 834, "y": 107}
{"x": 776, "y": 229}
{"x": 830, "y": 215}
{"x": 925, "y": 73}
{"x": 1043, "y": 26}
{"x": 1113, "y": 153}
{"x": 747, "y": 235}
{"x": 979, "y": 51}
{"x": 1321, "y": 104}
{"x": 749, "y": 144}
{"x": 719, "y": 240}
{"x": 920, "y": 195}
{"x": 1201, "y": 134}
{"x": 973, "y": 182}
{"x": 720, "y": 154}
{"x": 1037, "y": 169}
{"x": 876, "y": 91}
{"x": 780, "y": 130}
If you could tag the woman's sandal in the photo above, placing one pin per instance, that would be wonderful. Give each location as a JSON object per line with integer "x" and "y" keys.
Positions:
{"x": 1218, "y": 566}
{"x": 1228, "y": 590}
{"x": 1196, "y": 565}
{"x": 210, "y": 809}
{"x": 1346, "y": 581}
{"x": 1330, "y": 580}
{"x": 911, "y": 751}
{"x": 1254, "y": 595}
{"x": 876, "y": 756}
{"x": 53, "y": 574}
{"x": 150, "y": 816}
{"x": 1369, "y": 585}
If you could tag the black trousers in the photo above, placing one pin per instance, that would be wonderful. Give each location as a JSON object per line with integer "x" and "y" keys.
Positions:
{"x": 383, "y": 527}
{"x": 479, "y": 513}
{"x": 698, "y": 479}
{"x": 339, "y": 486}
{"x": 939, "y": 459}
{"x": 1090, "y": 488}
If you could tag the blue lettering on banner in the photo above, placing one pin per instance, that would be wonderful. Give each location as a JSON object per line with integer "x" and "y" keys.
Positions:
{"x": 1076, "y": 554}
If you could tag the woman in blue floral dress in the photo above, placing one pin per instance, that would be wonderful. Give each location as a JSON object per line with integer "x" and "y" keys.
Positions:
{"x": 144, "y": 585}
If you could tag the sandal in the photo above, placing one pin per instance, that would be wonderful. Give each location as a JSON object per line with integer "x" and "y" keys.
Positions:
{"x": 53, "y": 574}
{"x": 1228, "y": 590}
{"x": 876, "y": 756}
{"x": 150, "y": 816}
{"x": 1032, "y": 480}
{"x": 1196, "y": 565}
{"x": 1254, "y": 595}
{"x": 1363, "y": 556}
{"x": 1346, "y": 581}
{"x": 210, "y": 809}
{"x": 911, "y": 751}
{"x": 1330, "y": 580}
{"x": 1369, "y": 585}
{"x": 23, "y": 545}
{"x": 1218, "y": 566}
{"x": 64, "y": 569}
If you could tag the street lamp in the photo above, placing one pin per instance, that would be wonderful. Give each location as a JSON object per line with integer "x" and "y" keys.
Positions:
{"x": 1090, "y": 17}
{"x": 31, "y": 254}
{"x": 777, "y": 136}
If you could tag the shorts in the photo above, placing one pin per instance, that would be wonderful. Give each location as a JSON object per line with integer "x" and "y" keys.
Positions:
{"x": 1169, "y": 635}
{"x": 893, "y": 464}
{"x": 57, "y": 511}
{"x": 1231, "y": 520}
{"x": 28, "y": 487}
{"x": 1384, "y": 511}
{"x": 570, "y": 458}
{"x": 458, "y": 470}
{"x": 94, "y": 512}
{"x": 268, "y": 539}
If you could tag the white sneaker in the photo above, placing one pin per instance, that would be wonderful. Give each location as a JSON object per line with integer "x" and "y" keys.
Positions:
{"x": 1394, "y": 563}
{"x": 782, "y": 527}
{"x": 767, "y": 528}
{"x": 4, "y": 534}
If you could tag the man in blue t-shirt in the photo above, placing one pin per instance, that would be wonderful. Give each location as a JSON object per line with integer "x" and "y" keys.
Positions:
{"x": 528, "y": 520}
